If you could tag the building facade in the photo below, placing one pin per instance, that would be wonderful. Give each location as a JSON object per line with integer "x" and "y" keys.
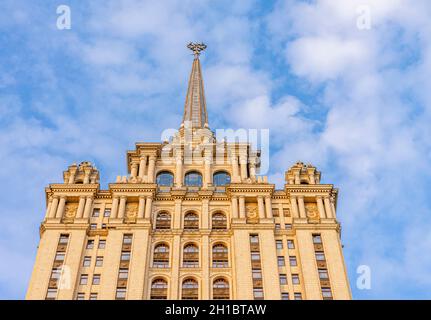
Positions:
{"x": 192, "y": 220}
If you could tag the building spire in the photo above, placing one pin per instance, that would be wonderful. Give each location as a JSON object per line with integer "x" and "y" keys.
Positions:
{"x": 195, "y": 109}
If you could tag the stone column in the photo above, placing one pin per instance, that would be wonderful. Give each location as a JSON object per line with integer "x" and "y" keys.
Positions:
{"x": 301, "y": 206}
{"x": 81, "y": 205}
{"x": 320, "y": 207}
{"x": 205, "y": 263}
{"x": 134, "y": 170}
{"x": 261, "y": 207}
{"x": 87, "y": 172}
{"x": 294, "y": 204}
{"x": 148, "y": 207}
{"x": 151, "y": 167}
{"x": 72, "y": 175}
{"x": 178, "y": 169}
{"x": 114, "y": 209}
{"x": 235, "y": 169}
{"x": 243, "y": 165}
{"x": 48, "y": 208}
{"x": 88, "y": 205}
{"x": 122, "y": 207}
{"x": 142, "y": 167}
{"x": 334, "y": 214}
{"x": 241, "y": 206}
{"x": 311, "y": 178}
{"x": 141, "y": 207}
{"x": 268, "y": 206}
{"x": 54, "y": 206}
{"x": 328, "y": 208}
{"x": 60, "y": 209}
{"x": 205, "y": 214}
{"x": 207, "y": 170}
{"x": 252, "y": 168}
{"x": 234, "y": 207}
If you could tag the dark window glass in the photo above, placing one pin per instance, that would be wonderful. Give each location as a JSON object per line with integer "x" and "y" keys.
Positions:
{"x": 193, "y": 179}
{"x": 221, "y": 179}
{"x": 165, "y": 179}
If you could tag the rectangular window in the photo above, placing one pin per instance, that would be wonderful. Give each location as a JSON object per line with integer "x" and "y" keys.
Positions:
{"x": 279, "y": 244}
{"x": 64, "y": 239}
{"x": 93, "y": 226}
{"x": 123, "y": 274}
{"x": 107, "y": 213}
{"x": 80, "y": 296}
{"x": 55, "y": 274}
{"x": 290, "y": 244}
{"x": 295, "y": 279}
{"x": 96, "y": 279}
{"x": 125, "y": 256}
{"x": 190, "y": 264}
{"x": 160, "y": 264}
{"x": 277, "y": 226}
{"x": 99, "y": 261}
{"x": 84, "y": 279}
{"x": 286, "y": 212}
{"x": 120, "y": 294}
{"x": 59, "y": 256}
{"x": 257, "y": 274}
{"x": 284, "y": 296}
{"x": 258, "y": 293}
{"x": 283, "y": 279}
{"x": 255, "y": 256}
{"x": 51, "y": 294}
{"x": 292, "y": 261}
{"x": 288, "y": 226}
{"x": 102, "y": 244}
{"x": 320, "y": 256}
{"x": 103, "y": 225}
{"x": 323, "y": 274}
{"x": 93, "y": 296}
{"x": 96, "y": 213}
{"x": 298, "y": 296}
{"x": 127, "y": 239}
{"x": 254, "y": 238}
{"x": 90, "y": 244}
{"x": 317, "y": 239}
{"x": 280, "y": 261}
{"x": 275, "y": 212}
{"x": 326, "y": 294}
{"x": 86, "y": 262}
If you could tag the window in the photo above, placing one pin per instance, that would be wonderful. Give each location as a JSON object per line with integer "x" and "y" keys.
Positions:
{"x": 320, "y": 256}
{"x": 86, "y": 262}
{"x": 254, "y": 238}
{"x": 99, "y": 261}
{"x": 288, "y": 226}
{"x": 317, "y": 239}
{"x": 51, "y": 294}
{"x": 275, "y": 213}
{"x": 190, "y": 289}
{"x": 56, "y": 274}
{"x": 191, "y": 221}
{"x": 221, "y": 179}
{"x": 190, "y": 256}
{"x": 125, "y": 256}
{"x": 80, "y": 296}
{"x": 323, "y": 274}
{"x": 102, "y": 244}
{"x": 290, "y": 244}
{"x": 96, "y": 279}
{"x": 159, "y": 289}
{"x": 84, "y": 279}
{"x": 107, "y": 213}
{"x": 298, "y": 296}
{"x": 295, "y": 279}
{"x": 286, "y": 212}
{"x": 103, "y": 225}
{"x": 59, "y": 256}
{"x": 326, "y": 294}
{"x": 123, "y": 274}
{"x": 90, "y": 244}
{"x": 165, "y": 179}
{"x": 193, "y": 179}
{"x": 64, "y": 239}
{"x": 255, "y": 256}
{"x": 120, "y": 294}
{"x": 284, "y": 296}
{"x": 277, "y": 226}
{"x": 93, "y": 296}
{"x": 283, "y": 279}
{"x": 279, "y": 244}
{"x": 127, "y": 239}
{"x": 93, "y": 226}
{"x": 161, "y": 256}
{"x": 258, "y": 293}
{"x": 163, "y": 221}
{"x": 220, "y": 256}
{"x": 280, "y": 261}
{"x": 257, "y": 274}
{"x": 96, "y": 213}
{"x": 219, "y": 221}
{"x": 220, "y": 289}
{"x": 292, "y": 261}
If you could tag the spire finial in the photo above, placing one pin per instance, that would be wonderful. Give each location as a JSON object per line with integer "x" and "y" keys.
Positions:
{"x": 197, "y": 48}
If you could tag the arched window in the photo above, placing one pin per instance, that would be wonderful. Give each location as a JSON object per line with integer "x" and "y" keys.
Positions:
{"x": 219, "y": 221}
{"x": 190, "y": 289}
{"x": 159, "y": 289}
{"x": 161, "y": 256}
{"x": 165, "y": 179}
{"x": 220, "y": 289}
{"x": 220, "y": 256}
{"x": 190, "y": 256}
{"x": 221, "y": 179}
{"x": 163, "y": 221}
{"x": 193, "y": 179}
{"x": 191, "y": 221}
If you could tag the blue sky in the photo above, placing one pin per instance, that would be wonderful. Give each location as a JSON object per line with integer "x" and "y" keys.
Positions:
{"x": 354, "y": 102}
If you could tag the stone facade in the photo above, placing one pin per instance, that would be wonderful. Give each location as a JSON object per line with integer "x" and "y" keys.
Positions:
{"x": 192, "y": 220}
